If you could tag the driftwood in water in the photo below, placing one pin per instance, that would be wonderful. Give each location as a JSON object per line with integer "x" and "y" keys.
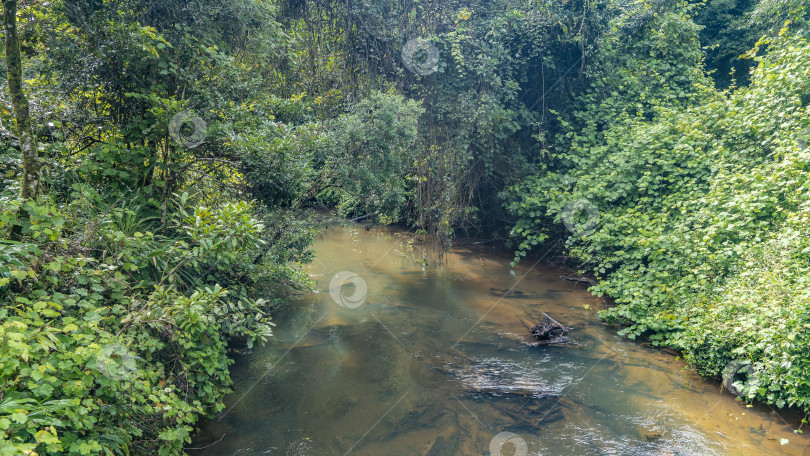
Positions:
{"x": 362, "y": 217}
{"x": 562, "y": 340}
{"x": 548, "y": 332}
{"x": 586, "y": 280}
{"x": 507, "y": 293}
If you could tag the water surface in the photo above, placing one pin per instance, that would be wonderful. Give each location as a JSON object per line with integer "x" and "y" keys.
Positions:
{"x": 427, "y": 361}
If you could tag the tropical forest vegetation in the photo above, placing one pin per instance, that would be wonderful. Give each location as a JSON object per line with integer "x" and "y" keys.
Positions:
{"x": 164, "y": 166}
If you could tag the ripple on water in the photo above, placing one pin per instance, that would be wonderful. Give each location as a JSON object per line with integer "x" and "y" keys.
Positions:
{"x": 499, "y": 376}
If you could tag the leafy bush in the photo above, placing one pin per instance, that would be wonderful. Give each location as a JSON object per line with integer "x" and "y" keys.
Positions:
{"x": 113, "y": 337}
{"x": 372, "y": 150}
{"x": 702, "y": 235}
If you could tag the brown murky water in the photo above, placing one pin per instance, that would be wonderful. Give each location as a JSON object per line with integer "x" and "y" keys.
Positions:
{"x": 421, "y": 361}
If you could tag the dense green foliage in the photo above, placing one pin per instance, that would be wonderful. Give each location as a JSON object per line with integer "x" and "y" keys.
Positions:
{"x": 144, "y": 258}
{"x": 176, "y": 208}
{"x": 692, "y": 203}
{"x": 184, "y": 145}
{"x": 113, "y": 333}
{"x": 703, "y": 205}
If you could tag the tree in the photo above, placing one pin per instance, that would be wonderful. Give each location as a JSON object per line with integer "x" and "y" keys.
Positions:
{"x": 29, "y": 187}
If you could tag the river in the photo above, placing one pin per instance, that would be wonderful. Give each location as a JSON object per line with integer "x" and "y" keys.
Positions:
{"x": 402, "y": 359}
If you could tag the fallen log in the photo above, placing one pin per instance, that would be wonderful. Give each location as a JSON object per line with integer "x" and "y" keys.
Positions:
{"x": 578, "y": 279}
{"x": 548, "y": 329}
{"x": 556, "y": 323}
{"x": 548, "y": 332}
{"x": 555, "y": 341}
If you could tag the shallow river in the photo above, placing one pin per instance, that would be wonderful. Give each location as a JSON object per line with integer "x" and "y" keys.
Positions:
{"x": 406, "y": 360}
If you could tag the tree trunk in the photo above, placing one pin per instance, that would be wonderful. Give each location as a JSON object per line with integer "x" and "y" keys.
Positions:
{"x": 29, "y": 188}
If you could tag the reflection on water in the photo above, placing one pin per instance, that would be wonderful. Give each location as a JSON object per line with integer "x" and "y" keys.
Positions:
{"x": 407, "y": 361}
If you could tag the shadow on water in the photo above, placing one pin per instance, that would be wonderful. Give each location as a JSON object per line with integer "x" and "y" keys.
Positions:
{"x": 433, "y": 362}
